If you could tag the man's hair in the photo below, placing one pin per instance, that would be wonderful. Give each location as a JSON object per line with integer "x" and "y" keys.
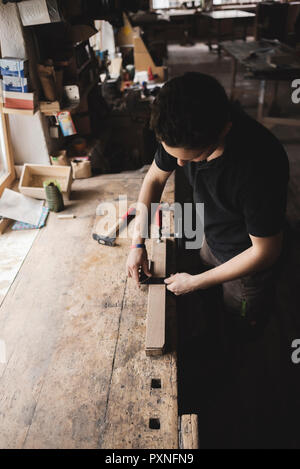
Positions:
{"x": 190, "y": 111}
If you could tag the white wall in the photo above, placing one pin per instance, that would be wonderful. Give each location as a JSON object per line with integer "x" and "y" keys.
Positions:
{"x": 29, "y": 134}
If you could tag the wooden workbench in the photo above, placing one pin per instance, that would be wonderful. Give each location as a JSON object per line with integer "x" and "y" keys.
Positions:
{"x": 234, "y": 17}
{"x": 74, "y": 326}
{"x": 254, "y": 57}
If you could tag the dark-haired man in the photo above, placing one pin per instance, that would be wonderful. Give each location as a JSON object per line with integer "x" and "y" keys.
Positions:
{"x": 240, "y": 171}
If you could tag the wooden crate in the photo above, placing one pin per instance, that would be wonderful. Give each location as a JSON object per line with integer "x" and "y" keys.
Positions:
{"x": 34, "y": 175}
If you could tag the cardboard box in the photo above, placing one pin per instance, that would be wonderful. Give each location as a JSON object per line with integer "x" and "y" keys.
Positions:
{"x": 15, "y": 84}
{"x": 34, "y": 175}
{"x": 60, "y": 158}
{"x": 81, "y": 167}
{"x": 14, "y": 67}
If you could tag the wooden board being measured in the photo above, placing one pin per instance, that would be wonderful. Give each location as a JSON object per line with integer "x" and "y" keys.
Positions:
{"x": 189, "y": 431}
{"x": 76, "y": 374}
{"x": 156, "y": 312}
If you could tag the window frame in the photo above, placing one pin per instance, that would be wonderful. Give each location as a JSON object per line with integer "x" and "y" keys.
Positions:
{"x": 9, "y": 178}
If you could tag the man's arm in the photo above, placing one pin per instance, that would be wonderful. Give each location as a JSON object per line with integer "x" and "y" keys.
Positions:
{"x": 262, "y": 254}
{"x": 151, "y": 191}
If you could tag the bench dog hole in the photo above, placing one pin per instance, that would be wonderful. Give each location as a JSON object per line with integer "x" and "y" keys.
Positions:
{"x": 154, "y": 424}
{"x": 156, "y": 383}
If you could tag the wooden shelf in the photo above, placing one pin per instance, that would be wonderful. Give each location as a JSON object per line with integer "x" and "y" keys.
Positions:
{"x": 20, "y": 112}
{"x": 53, "y": 108}
{"x": 49, "y": 108}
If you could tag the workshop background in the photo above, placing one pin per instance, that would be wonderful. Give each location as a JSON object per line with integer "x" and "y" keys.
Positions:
{"x": 86, "y": 360}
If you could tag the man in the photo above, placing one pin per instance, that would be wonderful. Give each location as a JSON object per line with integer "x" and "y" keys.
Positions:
{"x": 240, "y": 171}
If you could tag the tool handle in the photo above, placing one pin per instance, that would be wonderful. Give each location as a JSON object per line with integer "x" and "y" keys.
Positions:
{"x": 130, "y": 213}
{"x": 120, "y": 221}
{"x": 158, "y": 221}
{"x": 158, "y": 217}
{"x": 61, "y": 217}
{"x": 112, "y": 232}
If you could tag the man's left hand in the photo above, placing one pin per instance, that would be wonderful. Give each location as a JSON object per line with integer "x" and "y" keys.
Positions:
{"x": 180, "y": 284}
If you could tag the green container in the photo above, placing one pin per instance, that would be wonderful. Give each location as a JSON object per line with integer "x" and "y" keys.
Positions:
{"x": 54, "y": 197}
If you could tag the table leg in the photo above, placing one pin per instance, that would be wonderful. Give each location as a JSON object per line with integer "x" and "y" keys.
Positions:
{"x": 245, "y": 31}
{"x": 233, "y": 29}
{"x": 187, "y": 38}
{"x": 233, "y": 78}
{"x": 210, "y": 35}
{"x": 274, "y": 108}
{"x": 261, "y": 100}
{"x": 219, "y": 37}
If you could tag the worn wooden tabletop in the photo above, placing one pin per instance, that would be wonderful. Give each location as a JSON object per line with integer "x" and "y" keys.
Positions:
{"x": 74, "y": 327}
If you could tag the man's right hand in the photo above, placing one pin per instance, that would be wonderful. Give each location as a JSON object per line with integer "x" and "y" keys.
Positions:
{"x": 137, "y": 258}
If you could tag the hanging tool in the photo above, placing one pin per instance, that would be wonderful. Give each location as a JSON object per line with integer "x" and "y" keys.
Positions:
{"x": 110, "y": 238}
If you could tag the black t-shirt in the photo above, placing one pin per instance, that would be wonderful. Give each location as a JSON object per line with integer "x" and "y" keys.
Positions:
{"x": 244, "y": 190}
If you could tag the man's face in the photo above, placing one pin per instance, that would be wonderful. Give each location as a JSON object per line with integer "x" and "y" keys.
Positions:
{"x": 183, "y": 155}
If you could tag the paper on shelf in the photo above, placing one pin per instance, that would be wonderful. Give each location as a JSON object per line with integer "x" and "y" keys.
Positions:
{"x": 38, "y": 12}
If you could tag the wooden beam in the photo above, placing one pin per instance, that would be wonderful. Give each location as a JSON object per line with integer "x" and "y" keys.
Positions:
{"x": 189, "y": 431}
{"x": 20, "y": 112}
{"x": 156, "y": 312}
{"x": 10, "y": 177}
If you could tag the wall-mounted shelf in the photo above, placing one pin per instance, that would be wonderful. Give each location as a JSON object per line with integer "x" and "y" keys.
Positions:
{"x": 52, "y": 108}
{"x": 20, "y": 112}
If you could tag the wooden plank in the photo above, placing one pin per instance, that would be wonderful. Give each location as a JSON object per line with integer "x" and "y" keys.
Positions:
{"x": 20, "y": 112}
{"x": 156, "y": 318}
{"x": 9, "y": 179}
{"x": 156, "y": 312}
{"x": 134, "y": 400}
{"x": 189, "y": 431}
{"x": 143, "y": 391}
{"x": 159, "y": 258}
{"x": 60, "y": 324}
